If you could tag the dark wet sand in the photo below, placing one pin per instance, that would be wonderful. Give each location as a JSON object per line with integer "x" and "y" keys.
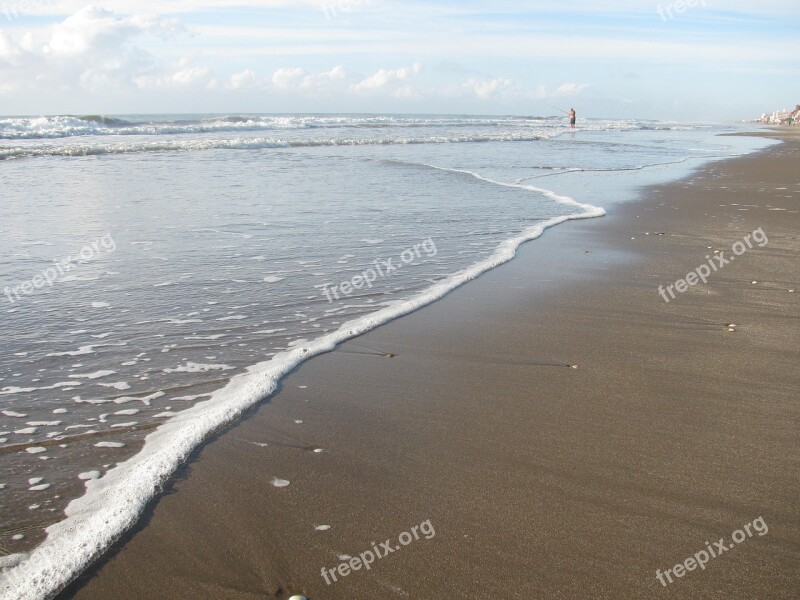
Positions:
{"x": 541, "y": 481}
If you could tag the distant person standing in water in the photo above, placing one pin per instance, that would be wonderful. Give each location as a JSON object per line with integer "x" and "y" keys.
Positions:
{"x": 572, "y": 118}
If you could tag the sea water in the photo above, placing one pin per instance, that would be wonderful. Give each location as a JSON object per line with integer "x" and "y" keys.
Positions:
{"x": 161, "y": 274}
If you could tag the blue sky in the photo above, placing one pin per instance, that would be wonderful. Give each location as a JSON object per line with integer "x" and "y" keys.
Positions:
{"x": 683, "y": 60}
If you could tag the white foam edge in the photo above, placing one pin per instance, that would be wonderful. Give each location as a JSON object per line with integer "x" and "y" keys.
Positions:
{"x": 112, "y": 504}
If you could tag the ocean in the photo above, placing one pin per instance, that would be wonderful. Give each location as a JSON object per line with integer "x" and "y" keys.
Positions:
{"x": 160, "y": 274}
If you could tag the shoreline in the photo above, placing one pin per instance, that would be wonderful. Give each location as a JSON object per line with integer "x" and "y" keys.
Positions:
{"x": 286, "y": 437}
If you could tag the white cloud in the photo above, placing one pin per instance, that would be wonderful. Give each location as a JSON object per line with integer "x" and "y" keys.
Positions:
{"x": 569, "y": 89}
{"x": 91, "y": 50}
{"x": 489, "y": 88}
{"x": 181, "y": 74}
{"x": 94, "y": 29}
{"x": 297, "y": 79}
{"x": 288, "y": 78}
{"x": 566, "y": 89}
{"x": 190, "y": 75}
{"x": 243, "y": 80}
{"x": 385, "y": 77}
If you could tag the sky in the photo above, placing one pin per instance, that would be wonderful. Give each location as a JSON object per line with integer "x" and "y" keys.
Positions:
{"x": 686, "y": 60}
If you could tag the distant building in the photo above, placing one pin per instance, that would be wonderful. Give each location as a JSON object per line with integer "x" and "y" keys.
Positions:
{"x": 782, "y": 117}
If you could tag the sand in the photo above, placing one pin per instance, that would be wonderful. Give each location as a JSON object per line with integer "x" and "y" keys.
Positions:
{"x": 539, "y": 480}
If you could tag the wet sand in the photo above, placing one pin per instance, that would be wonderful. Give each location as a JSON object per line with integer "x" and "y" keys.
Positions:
{"x": 540, "y": 480}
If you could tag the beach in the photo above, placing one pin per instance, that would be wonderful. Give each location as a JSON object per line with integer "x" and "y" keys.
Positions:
{"x": 564, "y": 430}
{"x": 142, "y": 324}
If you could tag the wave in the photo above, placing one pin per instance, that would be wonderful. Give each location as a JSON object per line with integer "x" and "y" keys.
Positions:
{"x": 443, "y": 131}
{"x": 67, "y": 126}
{"x": 74, "y": 150}
{"x": 94, "y": 125}
{"x": 113, "y": 503}
{"x": 106, "y": 121}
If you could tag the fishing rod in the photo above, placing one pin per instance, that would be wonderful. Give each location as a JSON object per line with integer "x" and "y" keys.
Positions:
{"x": 555, "y": 107}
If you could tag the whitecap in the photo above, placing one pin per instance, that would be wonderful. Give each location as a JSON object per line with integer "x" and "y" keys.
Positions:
{"x": 119, "y": 385}
{"x": 95, "y": 375}
{"x": 13, "y": 414}
{"x": 109, "y": 445}
{"x": 191, "y": 367}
